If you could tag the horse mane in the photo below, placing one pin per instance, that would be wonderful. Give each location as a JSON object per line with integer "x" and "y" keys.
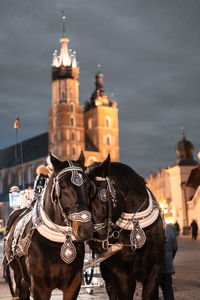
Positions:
{"x": 47, "y": 194}
{"x": 125, "y": 176}
{"x": 122, "y": 175}
{"x": 131, "y": 185}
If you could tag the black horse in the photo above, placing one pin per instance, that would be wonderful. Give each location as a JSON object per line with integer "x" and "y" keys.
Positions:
{"x": 45, "y": 246}
{"x": 126, "y": 215}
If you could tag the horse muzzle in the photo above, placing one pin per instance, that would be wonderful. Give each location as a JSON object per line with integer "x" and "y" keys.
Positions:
{"x": 82, "y": 226}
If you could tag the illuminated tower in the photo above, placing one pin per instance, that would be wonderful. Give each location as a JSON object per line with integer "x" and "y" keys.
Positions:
{"x": 66, "y": 124}
{"x": 101, "y": 122}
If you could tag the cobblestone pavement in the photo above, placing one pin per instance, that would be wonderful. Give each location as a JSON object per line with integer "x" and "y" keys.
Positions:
{"x": 186, "y": 281}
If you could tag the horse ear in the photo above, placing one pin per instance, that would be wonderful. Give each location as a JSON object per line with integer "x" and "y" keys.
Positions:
{"x": 81, "y": 159}
{"x": 56, "y": 163}
{"x": 105, "y": 166}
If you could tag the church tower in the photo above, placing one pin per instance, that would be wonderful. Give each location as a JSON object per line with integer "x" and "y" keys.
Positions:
{"x": 101, "y": 122}
{"x": 66, "y": 123}
{"x": 179, "y": 174}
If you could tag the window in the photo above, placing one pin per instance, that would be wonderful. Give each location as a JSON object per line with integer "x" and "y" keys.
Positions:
{"x": 72, "y": 121}
{"x": 73, "y": 150}
{"x": 67, "y": 134}
{"x": 108, "y": 122}
{"x": 73, "y": 136}
{"x": 90, "y": 123}
{"x": 108, "y": 140}
{"x": 72, "y": 108}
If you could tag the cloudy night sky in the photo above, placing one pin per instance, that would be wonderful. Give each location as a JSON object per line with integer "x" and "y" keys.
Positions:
{"x": 149, "y": 51}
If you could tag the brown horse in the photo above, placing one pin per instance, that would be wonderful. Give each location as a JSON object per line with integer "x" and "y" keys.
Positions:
{"x": 45, "y": 246}
{"x": 127, "y": 216}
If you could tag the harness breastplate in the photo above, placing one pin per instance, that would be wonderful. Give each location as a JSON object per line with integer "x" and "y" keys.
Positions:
{"x": 143, "y": 218}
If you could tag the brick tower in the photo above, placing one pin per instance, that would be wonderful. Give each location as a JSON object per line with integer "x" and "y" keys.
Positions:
{"x": 66, "y": 123}
{"x": 101, "y": 122}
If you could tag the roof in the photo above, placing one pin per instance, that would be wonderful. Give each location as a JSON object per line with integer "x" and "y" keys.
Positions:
{"x": 32, "y": 149}
{"x": 194, "y": 178}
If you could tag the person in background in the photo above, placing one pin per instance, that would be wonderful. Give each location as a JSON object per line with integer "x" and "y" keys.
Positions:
{"x": 176, "y": 229}
{"x": 42, "y": 177}
{"x": 171, "y": 248}
{"x": 194, "y": 227}
{"x": 39, "y": 183}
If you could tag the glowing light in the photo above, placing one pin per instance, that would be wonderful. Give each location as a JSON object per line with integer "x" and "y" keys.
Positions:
{"x": 198, "y": 155}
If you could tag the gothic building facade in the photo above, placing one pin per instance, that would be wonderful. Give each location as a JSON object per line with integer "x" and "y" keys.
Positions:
{"x": 93, "y": 129}
{"x": 177, "y": 187}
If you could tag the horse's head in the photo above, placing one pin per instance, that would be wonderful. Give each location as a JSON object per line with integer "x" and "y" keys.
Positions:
{"x": 70, "y": 189}
{"x": 106, "y": 203}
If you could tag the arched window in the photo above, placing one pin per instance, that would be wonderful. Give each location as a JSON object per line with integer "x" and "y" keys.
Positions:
{"x": 90, "y": 160}
{"x": 108, "y": 140}
{"x": 72, "y": 121}
{"x": 90, "y": 123}
{"x": 73, "y": 150}
{"x": 71, "y": 107}
{"x": 73, "y": 136}
{"x": 108, "y": 122}
{"x": 67, "y": 132}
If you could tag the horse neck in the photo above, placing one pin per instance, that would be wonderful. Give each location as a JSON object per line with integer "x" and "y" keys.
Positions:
{"x": 133, "y": 192}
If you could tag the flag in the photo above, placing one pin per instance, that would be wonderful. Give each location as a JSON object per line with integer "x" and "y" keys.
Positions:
{"x": 16, "y": 124}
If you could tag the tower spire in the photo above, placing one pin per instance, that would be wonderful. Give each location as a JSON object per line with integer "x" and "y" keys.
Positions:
{"x": 64, "y": 59}
{"x": 183, "y": 132}
{"x": 63, "y": 24}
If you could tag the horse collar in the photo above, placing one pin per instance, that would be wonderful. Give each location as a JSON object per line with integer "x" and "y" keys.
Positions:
{"x": 144, "y": 218}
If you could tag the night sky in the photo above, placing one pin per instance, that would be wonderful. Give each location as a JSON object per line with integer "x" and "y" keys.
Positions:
{"x": 149, "y": 51}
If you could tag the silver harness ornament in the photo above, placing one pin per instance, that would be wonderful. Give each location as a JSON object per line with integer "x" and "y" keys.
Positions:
{"x": 49, "y": 229}
{"x": 135, "y": 222}
{"x": 139, "y": 220}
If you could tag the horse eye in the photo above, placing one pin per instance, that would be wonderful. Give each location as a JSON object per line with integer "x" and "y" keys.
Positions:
{"x": 62, "y": 184}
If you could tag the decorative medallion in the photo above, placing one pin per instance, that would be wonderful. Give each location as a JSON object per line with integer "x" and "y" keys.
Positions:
{"x": 99, "y": 226}
{"x": 137, "y": 237}
{"x": 103, "y": 194}
{"x": 82, "y": 216}
{"x": 68, "y": 251}
{"x": 76, "y": 178}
